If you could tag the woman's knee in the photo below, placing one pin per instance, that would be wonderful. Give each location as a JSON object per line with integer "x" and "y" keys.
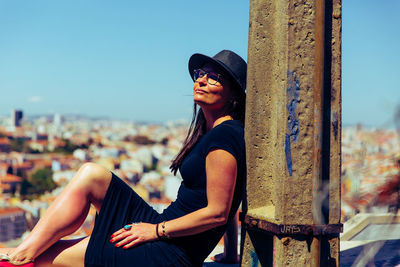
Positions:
{"x": 93, "y": 174}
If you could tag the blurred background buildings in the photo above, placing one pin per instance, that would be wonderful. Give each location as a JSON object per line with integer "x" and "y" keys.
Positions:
{"x": 40, "y": 154}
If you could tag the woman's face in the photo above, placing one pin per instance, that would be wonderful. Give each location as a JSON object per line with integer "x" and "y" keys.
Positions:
{"x": 211, "y": 96}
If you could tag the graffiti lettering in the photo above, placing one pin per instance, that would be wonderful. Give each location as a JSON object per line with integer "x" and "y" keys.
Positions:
{"x": 289, "y": 229}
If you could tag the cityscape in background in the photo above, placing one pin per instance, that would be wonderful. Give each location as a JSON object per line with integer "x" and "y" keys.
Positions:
{"x": 40, "y": 154}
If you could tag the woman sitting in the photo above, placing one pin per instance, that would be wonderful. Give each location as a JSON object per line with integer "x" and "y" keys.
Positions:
{"x": 127, "y": 231}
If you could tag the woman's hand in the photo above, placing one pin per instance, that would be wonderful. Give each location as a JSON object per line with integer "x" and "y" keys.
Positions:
{"x": 137, "y": 234}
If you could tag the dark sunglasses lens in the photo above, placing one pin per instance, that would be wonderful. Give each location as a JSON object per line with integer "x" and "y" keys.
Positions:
{"x": 212, "y": 77}
{"x": 198, "y": 74}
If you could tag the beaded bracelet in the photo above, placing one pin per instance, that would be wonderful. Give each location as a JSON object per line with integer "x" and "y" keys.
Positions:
{"x": 164, "y": 233}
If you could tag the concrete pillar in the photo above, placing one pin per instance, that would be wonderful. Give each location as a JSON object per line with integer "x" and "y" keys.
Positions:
{"x": 293, "y": 133}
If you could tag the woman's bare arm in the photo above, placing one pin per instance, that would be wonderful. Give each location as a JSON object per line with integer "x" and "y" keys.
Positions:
{"x": 221, "y": 169}
{"x": 221, "y": 178}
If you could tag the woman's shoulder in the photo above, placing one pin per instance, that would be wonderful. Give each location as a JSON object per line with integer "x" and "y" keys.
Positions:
{"x": 230, "y": 129}
{"x": 229, "y": 126}
{"x": 228, "y": 135}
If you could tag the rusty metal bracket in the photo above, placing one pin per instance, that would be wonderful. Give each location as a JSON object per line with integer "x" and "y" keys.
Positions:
{"x": 291, "y": 229}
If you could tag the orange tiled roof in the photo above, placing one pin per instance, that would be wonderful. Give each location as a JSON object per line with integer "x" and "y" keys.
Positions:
{"x": 42, "y": 162}
{"x": 5, "y": 186}
{"x": 161, "y": 201}
{"x": 24, "y": 165}
{"x": 3, "y": 165}
{"x": 4, "y": 141}
{"x": 10, "y": 210}
{"x": 10, "y": 178}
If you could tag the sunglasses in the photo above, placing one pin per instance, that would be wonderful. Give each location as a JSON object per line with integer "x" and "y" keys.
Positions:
{"x": 212, "y": 77}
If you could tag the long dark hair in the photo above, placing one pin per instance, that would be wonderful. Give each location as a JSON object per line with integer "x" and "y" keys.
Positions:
{"x": 235, "y": 108}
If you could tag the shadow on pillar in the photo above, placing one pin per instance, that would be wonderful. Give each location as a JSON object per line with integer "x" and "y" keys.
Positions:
{"x": 325, "y": 255}
{"x": 327, "y": 120}
{"x": 263, "y": 246}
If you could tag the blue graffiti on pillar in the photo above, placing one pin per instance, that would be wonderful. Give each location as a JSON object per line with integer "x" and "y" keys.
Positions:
{"x": 288, "y": 154}
{"x": 254, "y": 259}
{"x": 293, "y": 126}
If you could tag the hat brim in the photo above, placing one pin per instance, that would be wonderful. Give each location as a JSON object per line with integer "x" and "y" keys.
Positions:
{"x": 197, "y": 61}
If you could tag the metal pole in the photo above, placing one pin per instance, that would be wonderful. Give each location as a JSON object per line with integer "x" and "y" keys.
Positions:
{"x": 318, "y": 123}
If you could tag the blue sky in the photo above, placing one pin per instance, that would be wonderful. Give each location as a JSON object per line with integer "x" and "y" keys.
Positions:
{"x": 128, "y": 59}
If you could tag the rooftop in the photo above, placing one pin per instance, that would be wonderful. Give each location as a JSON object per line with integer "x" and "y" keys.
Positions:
{"x": 371, "y": 238}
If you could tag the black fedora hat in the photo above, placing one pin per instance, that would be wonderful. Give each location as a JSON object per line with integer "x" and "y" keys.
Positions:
{"x": 231, "y": 63}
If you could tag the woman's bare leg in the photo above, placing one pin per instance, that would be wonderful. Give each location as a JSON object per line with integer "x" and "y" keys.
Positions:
{"x": 67, "y": 213}
{"x": 64, "y": 253}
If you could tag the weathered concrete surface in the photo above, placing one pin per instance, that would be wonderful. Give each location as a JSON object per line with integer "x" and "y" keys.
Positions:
{"x": 292, "y": 133}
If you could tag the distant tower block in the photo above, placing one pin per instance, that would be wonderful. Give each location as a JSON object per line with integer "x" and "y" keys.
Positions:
{"x": 57, "y": 119}
{"x": 16, "y": 117}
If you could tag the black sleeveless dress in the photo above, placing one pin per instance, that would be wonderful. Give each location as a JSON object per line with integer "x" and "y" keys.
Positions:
{"x": 122, "y": 206}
